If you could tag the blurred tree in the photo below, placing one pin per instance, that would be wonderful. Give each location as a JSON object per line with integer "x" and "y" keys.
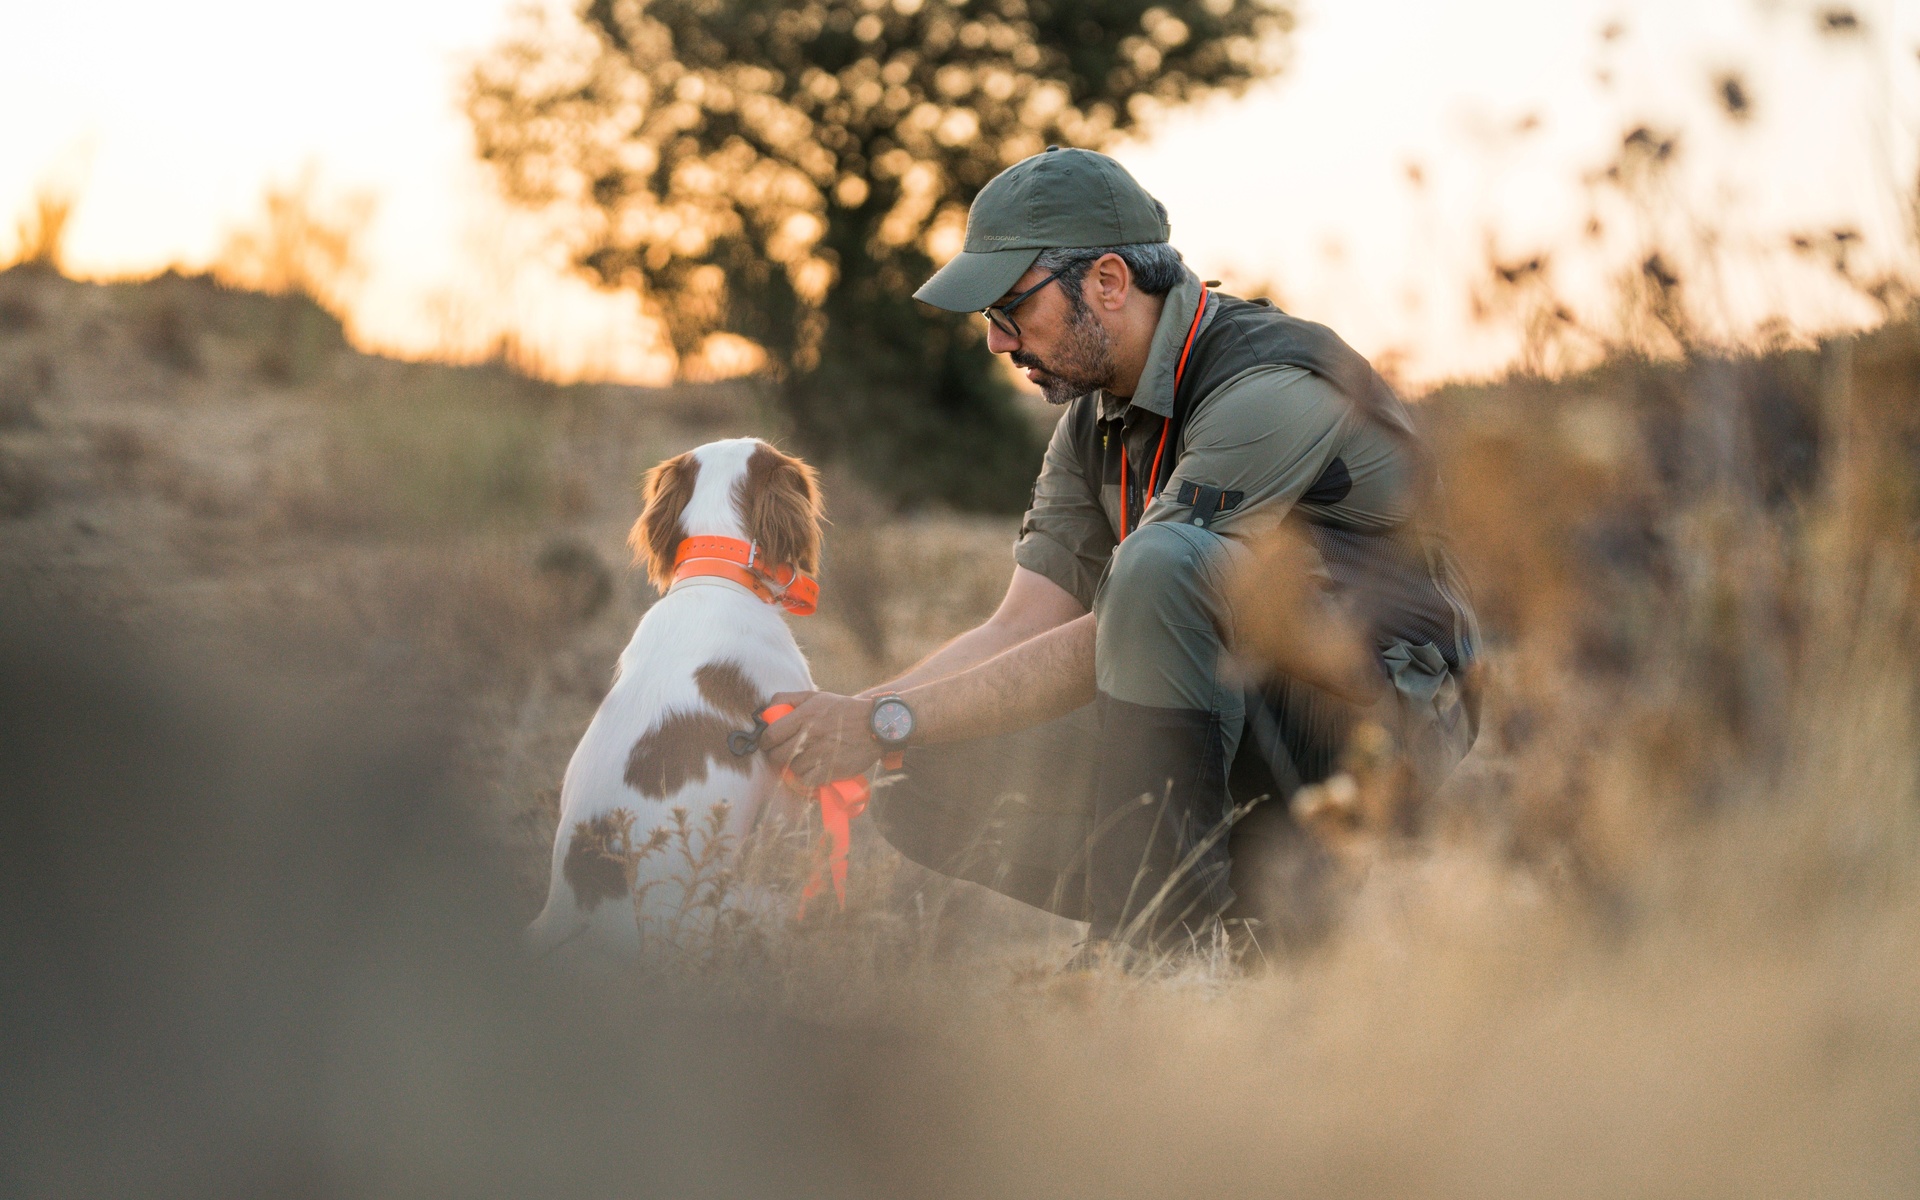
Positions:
{"x": 790, "y": 172}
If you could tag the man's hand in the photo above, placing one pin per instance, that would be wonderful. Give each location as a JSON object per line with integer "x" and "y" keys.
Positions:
{"x": 825, "y": 737}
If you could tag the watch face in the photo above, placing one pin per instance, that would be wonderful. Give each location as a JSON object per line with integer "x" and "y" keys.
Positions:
{"x": 892, "y": 721}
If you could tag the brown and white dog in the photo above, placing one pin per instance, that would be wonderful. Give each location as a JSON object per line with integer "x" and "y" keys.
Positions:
{"x": 700, "y": 666}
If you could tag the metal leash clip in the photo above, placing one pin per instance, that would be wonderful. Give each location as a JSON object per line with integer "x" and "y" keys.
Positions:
{"x": 745, "y": 741}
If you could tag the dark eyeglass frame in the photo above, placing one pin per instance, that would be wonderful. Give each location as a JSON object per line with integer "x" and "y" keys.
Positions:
{"x": 1000, "y": 316}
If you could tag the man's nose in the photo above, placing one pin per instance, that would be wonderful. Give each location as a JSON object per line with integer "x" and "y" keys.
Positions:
{"x": 999, "y": 341}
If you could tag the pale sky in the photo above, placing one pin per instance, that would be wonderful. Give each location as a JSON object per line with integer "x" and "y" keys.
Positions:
{"x": 169, "y": 121}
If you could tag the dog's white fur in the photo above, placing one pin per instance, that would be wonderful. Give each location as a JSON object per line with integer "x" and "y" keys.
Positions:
{"x": 698, "y": 622}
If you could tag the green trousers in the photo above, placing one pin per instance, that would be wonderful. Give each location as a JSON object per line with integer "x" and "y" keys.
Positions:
{"x": 1129, "y": 800}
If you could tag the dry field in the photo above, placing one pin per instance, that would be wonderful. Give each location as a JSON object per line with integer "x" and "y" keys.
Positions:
{"x": 302, "y": 640}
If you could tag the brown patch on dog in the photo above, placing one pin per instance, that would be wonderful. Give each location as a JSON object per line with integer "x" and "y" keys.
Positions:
{"x": 725, "y": 685}
{"x": 779, "y": 504}
{"x": 658, "y": 532}
{"x": 677, "y": 752}
{"x": 601, "y": 862}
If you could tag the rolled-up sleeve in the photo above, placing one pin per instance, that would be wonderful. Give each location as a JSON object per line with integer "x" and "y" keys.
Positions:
{"x": 1065, "y": 535}
{"x": 1267, "y": 435}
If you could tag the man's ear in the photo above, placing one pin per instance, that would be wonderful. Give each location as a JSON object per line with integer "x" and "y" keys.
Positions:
{"x": 779, "y": 503}
{"x": 1112, "y": 281}
{"x": 658, "y": 532}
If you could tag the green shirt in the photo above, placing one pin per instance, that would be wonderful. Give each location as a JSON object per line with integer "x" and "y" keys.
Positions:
{"x": 1282, "y": 436}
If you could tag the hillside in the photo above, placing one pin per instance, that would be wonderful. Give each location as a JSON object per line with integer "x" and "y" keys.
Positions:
{"x": 205, "y": 464}
{"x": 202, "y": 463}
{"x": 210, "y": 466}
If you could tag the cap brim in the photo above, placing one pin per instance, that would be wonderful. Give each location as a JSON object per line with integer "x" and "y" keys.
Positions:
{"x": 974, "y": 279}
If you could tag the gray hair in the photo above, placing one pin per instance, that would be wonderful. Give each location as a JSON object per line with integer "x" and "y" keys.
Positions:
{"x": 1156, "y": 266}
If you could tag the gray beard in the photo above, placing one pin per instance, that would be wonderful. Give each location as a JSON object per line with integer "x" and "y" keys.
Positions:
{"x": 1082, "y": 365}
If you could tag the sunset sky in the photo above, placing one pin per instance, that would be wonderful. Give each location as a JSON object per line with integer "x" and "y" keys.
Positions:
{"x": 168, "y": 122}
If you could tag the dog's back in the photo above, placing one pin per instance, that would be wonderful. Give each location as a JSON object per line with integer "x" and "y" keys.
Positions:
{"x": 700, "y": 666}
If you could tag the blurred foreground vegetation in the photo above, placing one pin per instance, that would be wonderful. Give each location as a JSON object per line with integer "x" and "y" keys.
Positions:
{"x": 1659, "y": 936}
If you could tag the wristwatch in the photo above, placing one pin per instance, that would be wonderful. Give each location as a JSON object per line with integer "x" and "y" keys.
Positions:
{"x": 891, "y": 722}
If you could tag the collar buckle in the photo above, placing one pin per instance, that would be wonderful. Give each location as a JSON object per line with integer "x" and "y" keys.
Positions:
{"x": 771, "y": 581}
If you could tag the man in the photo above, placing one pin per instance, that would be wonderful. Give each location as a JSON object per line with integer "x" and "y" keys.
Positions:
{"x": 1083, "y": 750}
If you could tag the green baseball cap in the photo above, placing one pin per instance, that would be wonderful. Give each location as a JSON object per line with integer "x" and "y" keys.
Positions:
{"x": 1058, "y": 199}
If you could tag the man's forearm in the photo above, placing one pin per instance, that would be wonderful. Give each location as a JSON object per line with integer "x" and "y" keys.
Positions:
{"x": 1044, "y": 669}
{"x": 970, "y": 649}
{"x": 1033, "y": 605}
{"x": 1033, "y": 681}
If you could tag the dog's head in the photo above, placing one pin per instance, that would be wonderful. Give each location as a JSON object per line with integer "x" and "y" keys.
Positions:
{"x": 741, "y": 488}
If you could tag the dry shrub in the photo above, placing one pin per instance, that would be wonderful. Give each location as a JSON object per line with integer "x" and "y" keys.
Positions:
{"x": 466, "y": 624}
{"x": 439, "y": 452}
{"x": 24, "y": 486}
{"x": 16, "y": 404}
{"x": 475, "y": 613}
{"x": 22, "y": 382}
{"x": 123, "y": 449}
{"x": 1289, "y": 625}
{"x": 304, "y": 241}
{"x": 41, "y": 232}
{"x": 306, "y": 497}
{"x": 573, "y": 495}
{"x": 18, "y": 312}
{"x": 170, "y": 336}
{"x": 601, "y": 859}
{"x": 440, "y": 460}
{"x": 577, "y": 579}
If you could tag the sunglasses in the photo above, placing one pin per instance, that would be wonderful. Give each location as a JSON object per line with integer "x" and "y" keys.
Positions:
{"x": 1001, "y": 315}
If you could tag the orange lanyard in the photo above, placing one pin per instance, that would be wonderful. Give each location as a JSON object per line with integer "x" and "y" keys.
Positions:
{"x": 1153, "y": 476}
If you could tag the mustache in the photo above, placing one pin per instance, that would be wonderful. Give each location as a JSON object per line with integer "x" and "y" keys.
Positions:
{"x": 1022, "y": 359}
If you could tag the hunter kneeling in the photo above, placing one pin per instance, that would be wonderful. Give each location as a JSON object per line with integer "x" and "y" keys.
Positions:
{"x": 1157, "y": 667}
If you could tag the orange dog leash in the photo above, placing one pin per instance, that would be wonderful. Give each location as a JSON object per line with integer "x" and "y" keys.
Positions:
{"x": 840, "y": 802}
{"x": 794, "y": 590}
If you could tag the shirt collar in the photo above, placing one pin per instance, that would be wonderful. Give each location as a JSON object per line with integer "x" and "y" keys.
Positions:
{"x": 1155, "y": 390}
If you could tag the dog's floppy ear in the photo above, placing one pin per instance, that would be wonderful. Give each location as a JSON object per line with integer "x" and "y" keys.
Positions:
{"x": 658, "y": 532}
{"x": 779, "y": 503}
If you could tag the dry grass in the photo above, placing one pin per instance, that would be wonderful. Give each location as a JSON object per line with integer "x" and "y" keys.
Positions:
{"x": 1659, "y": 936}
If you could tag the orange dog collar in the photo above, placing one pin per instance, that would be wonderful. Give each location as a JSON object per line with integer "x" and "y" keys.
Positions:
{"x": 731, "y": 558}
